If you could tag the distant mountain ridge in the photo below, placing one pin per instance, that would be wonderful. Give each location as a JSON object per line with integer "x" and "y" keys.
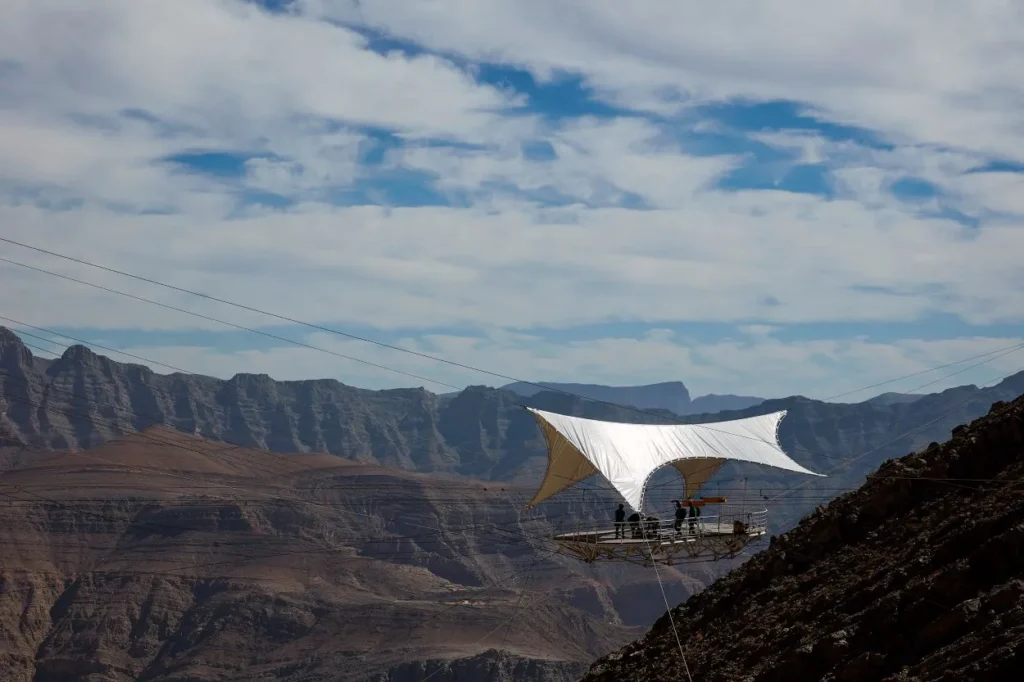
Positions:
{"x": 893, "y": 398}
{"x": 81, "y": 400}
{"x": 669, "y": 395}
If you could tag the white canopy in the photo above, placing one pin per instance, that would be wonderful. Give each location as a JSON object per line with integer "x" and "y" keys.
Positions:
{"x": 627, "y": 454}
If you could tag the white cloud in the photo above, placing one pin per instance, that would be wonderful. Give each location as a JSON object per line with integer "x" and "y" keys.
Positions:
{"x": 808, "y": 147}
{"x": 1001, "y": 192}
{"x": 220, "y": 75}
{"x": 715, "y": 260}
{"x": 596, "y": 161}
{"x": 948, "y": 76}
{"x": 69, "y": 162}
{"x": 758, "y": 330}
{"x": 75, "y": 172}
{"x": 868, "y": 174}
{"x": 227, "y": 67}
{"x": 327, "y": 161}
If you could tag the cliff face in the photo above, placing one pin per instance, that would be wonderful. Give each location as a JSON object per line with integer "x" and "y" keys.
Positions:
{"x": 164, "y": 557}
{"x": 82, "y": 399}
{"x": 918, "y": 575}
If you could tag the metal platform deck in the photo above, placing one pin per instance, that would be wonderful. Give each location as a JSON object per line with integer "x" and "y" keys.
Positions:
{"x": 707, "y": 538}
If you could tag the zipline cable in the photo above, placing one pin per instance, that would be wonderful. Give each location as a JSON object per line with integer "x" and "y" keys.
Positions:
{"x": 1000, "y": 353}
{"x": 381, "y": 344}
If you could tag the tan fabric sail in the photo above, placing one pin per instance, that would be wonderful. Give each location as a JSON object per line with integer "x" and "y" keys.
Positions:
{"x": 566, "y": 464}
{"x": 697, "y": 472}
{"x": 628, "y": 454}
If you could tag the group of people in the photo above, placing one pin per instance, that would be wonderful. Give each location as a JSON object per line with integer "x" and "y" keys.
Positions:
{"x": 652, "y": 522}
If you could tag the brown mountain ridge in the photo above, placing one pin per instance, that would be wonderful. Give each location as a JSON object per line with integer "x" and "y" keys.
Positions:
{"x": 163, "y": 556}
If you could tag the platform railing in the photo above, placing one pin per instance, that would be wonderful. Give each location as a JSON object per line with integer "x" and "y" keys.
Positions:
{"x": 729, "y": 521}
{"x": 757, "y": 520}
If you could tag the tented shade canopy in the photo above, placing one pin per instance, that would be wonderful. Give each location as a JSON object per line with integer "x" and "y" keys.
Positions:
{"x": 628, "y": 454}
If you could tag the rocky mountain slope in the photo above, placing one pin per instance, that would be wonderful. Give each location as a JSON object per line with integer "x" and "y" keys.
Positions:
{"x": 82, "y": 399}
{"x": 669, "y": 395}
{"x": 916, "y": 576}
{"x": 161, "y": 556}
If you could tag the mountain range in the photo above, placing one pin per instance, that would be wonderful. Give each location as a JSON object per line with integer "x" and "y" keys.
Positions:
{"x": 82, "y": 399}
{"x": 421, "y": 453}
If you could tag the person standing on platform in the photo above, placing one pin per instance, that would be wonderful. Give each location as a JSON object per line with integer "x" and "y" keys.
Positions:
{"x": 680, "y": 517}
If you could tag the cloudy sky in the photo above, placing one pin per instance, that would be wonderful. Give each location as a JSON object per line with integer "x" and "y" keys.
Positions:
{"x": 763, "y": 198}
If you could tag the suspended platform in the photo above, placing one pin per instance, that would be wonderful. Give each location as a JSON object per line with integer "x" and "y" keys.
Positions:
{"x": 627, "y": 455}
{"x": 705, "y": 538}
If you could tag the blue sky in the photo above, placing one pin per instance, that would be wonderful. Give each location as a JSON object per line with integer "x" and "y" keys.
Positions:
{"x": 763, "y": 166}
{"x": 596, "y": 201}
{"x": 935, "y": 328}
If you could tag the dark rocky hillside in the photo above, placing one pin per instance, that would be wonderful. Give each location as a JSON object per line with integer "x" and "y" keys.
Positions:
{"x": 917, "y": 576}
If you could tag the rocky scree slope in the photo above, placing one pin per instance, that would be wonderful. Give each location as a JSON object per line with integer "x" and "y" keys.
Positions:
{"x": 917, "y": 576}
